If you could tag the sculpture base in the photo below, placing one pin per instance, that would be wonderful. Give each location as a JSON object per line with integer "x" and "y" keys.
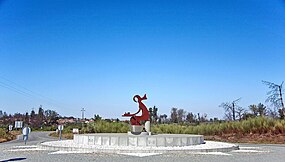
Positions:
{"x": 121, "y": 139}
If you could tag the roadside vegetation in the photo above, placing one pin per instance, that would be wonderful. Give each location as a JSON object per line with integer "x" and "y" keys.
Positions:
{"x": 252, "y": 130}
{"x": 8, "y": 136}
{"x": 259, "y": 125}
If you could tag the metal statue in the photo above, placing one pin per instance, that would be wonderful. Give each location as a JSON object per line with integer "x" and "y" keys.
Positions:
{"x": 136, "y": 120}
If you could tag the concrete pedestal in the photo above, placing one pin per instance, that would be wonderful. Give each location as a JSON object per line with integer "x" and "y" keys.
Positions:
{"x": 120, "y": 139}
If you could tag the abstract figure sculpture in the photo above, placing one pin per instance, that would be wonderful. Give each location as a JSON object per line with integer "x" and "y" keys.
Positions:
{"x": 136, "y": 120}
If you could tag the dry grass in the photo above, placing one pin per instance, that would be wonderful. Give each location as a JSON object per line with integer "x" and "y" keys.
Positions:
{"x": 8, "y": 136}
{"x": 254, "y": 130}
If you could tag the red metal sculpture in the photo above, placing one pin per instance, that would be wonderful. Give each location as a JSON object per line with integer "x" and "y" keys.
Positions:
{"x": 135, "y": 120}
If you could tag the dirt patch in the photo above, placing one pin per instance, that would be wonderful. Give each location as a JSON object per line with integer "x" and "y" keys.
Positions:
{"x": 2, "y": 140}
{"x": 249, "y": 138}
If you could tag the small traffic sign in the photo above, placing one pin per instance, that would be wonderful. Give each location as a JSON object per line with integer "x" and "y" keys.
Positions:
{"x": 60, "y": 128}
{"x": 10, "y": 127}
{"x": 18, "y": 124}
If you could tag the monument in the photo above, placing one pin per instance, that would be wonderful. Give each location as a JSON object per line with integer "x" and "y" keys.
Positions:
{"x": 137, "y": 140}
{"x": 140, "y": 135}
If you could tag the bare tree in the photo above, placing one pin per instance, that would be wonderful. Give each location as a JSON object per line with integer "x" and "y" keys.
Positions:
{"x": 240, "y": 112}
{"x": 275, "y": 96}
{"x": 230, "y": 109}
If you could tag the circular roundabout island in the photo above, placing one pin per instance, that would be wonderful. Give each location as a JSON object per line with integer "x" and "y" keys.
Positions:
{"x": 126, "y": 143}
{"x": 137, "y": 140}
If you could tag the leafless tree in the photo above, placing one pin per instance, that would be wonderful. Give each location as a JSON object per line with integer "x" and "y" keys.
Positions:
{"x": 275, "y": 96}
{"x": 230, "y": 109}
{"x": 240, "y": 112}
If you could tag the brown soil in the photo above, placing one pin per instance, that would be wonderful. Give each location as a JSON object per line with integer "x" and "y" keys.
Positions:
{"x": 2, "y": 140}
{"x": 249, "y": 138}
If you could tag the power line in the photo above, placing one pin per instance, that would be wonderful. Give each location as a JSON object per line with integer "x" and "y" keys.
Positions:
{"x": 8, "y": 84}
{"x": 2, "y": 84}
{"x": 20, "y": 86}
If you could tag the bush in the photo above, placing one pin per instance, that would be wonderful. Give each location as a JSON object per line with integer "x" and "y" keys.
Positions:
{"x": 5, "y": 136}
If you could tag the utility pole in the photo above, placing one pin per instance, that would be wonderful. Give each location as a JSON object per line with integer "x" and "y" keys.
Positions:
{"x": 234, "y": 111}
{"x": 233, "y": 108}
{"x": 82, "y": 110}
{"x": 82, "y": 122}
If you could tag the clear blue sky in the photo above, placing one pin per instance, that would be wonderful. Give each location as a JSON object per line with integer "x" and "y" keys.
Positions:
{"x": 98, "y": 54}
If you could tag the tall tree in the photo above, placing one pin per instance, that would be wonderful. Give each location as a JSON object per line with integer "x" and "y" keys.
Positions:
{"x": 1, "y": 114}
{"x": 33, "y": 118}
{"x": 190, "y": 117}
{"x": 40, "y": 118}
{"x": 51, "y": 116}
{"x": 253, "y": 108}
{"x": 162, "y": 118}
{"x": 203, "y": 118}
{"x": 27, "y": 118}
{"x": 275, "y": 96}
{"x": 41, "y": 113}
{"x": 180, "y": 115}
{"x": 261, "y": 109}
{"x": 153, "y": 114}
{"x": 173, "y": 115}
{"x": 97, "y": 117}
{"x": 33, "y": 114}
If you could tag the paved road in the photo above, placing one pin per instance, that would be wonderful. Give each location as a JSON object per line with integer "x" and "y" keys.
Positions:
{"x": 18, "y": 151}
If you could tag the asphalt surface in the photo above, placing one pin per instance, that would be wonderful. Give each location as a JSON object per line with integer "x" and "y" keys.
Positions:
{"x": 17, "y": 151}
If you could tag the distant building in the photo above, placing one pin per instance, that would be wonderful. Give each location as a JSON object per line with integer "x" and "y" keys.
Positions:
{"x": 66, "y": 120}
